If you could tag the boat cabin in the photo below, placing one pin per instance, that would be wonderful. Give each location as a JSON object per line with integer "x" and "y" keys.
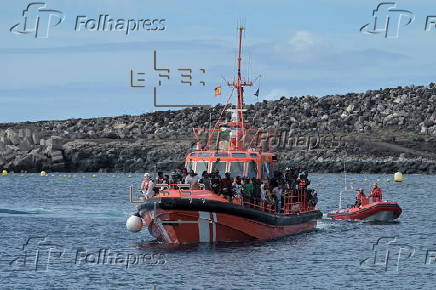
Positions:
{"x": 259, "y": 165}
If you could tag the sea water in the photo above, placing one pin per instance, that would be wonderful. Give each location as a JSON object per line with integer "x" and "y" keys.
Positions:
{"x": 67, "y": 231}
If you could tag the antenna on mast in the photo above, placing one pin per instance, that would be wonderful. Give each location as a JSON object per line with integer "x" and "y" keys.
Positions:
{"x": 237, "y": 121}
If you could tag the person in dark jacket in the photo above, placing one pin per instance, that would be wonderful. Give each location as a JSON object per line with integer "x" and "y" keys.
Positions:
{"x": 216, "y": 182}
{"x": 226, "y": 186}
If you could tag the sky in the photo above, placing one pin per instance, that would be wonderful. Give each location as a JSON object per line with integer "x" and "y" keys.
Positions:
{"x": 291, "y": 48}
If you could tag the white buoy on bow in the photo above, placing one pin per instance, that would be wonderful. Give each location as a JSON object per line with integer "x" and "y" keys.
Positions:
{"x": 134, "y": 223}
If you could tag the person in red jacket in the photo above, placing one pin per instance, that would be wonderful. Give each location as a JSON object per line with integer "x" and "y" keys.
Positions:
{"x": 360, "y": 198}
{"x": 376, "y": 193}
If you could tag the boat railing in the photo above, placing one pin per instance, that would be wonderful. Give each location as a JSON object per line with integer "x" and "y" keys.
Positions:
{"x": 183, "y": 188}
{"x": 131, "y": 196}
{"x": 294, "y": 201}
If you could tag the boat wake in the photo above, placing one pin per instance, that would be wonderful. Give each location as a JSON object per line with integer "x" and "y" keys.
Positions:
{"x": 70, "y": 213}
{"x": 11, "y": 211}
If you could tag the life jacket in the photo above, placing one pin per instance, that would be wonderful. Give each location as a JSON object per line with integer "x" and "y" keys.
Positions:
{"x": 302, "y": 183}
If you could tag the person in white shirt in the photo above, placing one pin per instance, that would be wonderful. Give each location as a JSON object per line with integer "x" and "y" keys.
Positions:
{"x": 147, "y": 186}
{"x": 238, "y": 187}
{"x": 191, "y": 179}
{"x": 263, "y": 192}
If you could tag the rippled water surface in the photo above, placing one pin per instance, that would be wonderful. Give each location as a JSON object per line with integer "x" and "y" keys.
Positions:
{"x": 74, "y": 225}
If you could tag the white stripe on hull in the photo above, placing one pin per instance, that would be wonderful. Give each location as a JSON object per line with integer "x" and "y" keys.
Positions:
{"x": 214, "y": 222}
{"x": 203, "y": 226}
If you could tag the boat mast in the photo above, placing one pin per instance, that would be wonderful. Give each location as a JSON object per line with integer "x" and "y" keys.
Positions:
{"x": 237, "y": 121}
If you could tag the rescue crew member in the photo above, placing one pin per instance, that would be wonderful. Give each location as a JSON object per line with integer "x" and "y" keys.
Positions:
{"x": 302, "y": 180}
{"x": 147, "y": 186}
{"x": 376, "y": 193}
{"x": 360, "y": 198}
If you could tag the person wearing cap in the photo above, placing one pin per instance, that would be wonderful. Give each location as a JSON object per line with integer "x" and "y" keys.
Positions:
{"x": 376, "y": 193}
{"x": 303, "y": 180}
{"x": 147, "y": 186}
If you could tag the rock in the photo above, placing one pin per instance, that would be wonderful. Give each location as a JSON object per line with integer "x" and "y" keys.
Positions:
{"x": 24, "y": 162}
{"x": 54, "y": 143}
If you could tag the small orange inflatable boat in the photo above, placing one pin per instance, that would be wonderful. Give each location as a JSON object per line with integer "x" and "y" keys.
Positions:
{"x": 381, "y": 211}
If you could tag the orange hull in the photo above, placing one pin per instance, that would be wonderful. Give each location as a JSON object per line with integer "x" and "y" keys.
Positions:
{"x": 176, "y": 226}
{"x": 376, "y": 211}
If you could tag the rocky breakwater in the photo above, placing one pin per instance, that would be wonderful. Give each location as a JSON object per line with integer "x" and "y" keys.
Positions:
{"x": 25, "y": 149}
{"x": 375, "y": 131}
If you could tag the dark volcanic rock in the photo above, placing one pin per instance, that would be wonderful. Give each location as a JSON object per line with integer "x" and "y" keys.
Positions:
{"x": 377, "y": 131}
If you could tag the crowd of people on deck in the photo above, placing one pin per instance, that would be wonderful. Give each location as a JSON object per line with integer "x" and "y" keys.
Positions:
{"x": 374, "y": 196}
{"x": 252, "y": 190}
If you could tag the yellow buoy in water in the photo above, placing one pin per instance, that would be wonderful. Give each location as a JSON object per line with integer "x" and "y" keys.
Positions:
{"x": 5, "y": 173}
{"x": 398, "y": 177}
{"x": 93, "y": 176}
{"x": 43, "y": 173}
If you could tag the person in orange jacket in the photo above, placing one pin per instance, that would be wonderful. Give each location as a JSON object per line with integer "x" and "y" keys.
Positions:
{"x": 376, "y": 193}
{"x": 360, "y": 198}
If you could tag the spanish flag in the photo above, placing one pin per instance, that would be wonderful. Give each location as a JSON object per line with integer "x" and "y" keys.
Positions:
{"x": 217, "y": 91}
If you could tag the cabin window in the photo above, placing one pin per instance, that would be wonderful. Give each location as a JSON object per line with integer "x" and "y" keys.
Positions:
{"x": 201, "y": 166}
{"x": 237, "y": 169}
{"x": 266, "y": 170}
{"x": 221, "y": 154}
{"x": 252, "y": 169}
{"x": 189, "y": 166}
{"x": 204, "y": 154}
{"x": 239, "y": 154}
{"x": 253, "y": 155}
{"x": 220, "y": 166}
{"x": 193, "y": 154}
